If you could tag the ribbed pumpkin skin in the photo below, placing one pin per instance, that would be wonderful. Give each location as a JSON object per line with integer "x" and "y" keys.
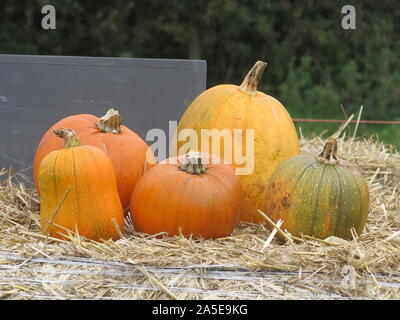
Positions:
{"x": 93, "y": 200}
{"x": 317, "y": 199}
{"x": 167, "y": 199}
{"x": 126, "y": 150}
{"x": 275, "y": 137}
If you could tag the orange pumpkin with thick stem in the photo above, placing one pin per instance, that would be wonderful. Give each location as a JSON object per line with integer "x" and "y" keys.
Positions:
{"x": 194, "y": 194}
{"x": 79, "y": 192}
{"x": 244, "y": 109}
{"x": 125, "y": 148}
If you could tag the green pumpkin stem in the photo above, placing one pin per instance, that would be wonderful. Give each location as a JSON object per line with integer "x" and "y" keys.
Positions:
{"x": 329, "y": 153}
{"x": 250, "y": 82}
{"x": 192, "y": 164}
{"x": 69, "y": 136}
{"x": 110, "y": 122}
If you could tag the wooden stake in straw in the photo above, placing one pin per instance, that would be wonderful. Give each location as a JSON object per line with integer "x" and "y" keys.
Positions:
{"x": 342, "y": 127}
{"x": 272, "y": 234}
{"x": 57, "y": 209}
{"x": 157, "y": 282}
{"x": 358, "y": 121}
{"x": 288, "y": 237}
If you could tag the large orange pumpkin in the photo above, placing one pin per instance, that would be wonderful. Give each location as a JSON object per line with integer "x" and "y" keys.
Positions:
{"x": 318, "y": 196}
{"x": 242, "y": 107}
{"x": 78, "y": 192}
{"x": 186, "y": 195}
{"x": 125, "y": 148}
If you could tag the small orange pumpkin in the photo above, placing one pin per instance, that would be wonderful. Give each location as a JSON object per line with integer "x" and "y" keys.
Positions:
{"x": 125, "y": 148}
{"x": 195, "y": 194}
{"x": 79, "y": 192}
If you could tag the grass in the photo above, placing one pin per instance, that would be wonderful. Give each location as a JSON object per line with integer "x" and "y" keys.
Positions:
{"x": 387, "y": 133}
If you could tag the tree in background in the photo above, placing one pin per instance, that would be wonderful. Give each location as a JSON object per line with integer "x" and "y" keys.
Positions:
{"x": 314, "y": 65}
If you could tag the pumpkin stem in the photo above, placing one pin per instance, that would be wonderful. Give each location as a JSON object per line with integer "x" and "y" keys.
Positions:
{"x": 192, "y": 164}
{"x": 250, "y": 82}
{"x": 69, "y": 136}
{"x": 110, "y": 122}
{"x": 328, "y": 154}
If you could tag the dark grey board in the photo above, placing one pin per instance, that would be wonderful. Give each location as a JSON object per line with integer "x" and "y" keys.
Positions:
{"x": 37, "y": 91}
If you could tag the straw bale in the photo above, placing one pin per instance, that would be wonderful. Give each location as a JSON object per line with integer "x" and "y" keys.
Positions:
{"x": 249, "y": 264}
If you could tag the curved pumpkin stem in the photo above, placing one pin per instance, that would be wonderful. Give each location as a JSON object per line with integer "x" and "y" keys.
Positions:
{"x": 250, "y": 82}
{"x": 192, "y": 164}
{"x": 69, "y": 136}
{"x": 110, "y": 122}
{"x": 329, "y": 153}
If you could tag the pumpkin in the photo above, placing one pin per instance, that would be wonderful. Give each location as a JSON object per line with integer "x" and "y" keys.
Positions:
{"x": 243, "y": 108}
{"x": 78, "y": 192}
{"x": 318, "y": 196}
{"x": 195, "y": 194}
{"x": 125, "y": 148}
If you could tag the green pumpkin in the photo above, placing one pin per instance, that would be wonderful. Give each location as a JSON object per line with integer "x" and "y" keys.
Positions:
{"x": 318, "y": 196}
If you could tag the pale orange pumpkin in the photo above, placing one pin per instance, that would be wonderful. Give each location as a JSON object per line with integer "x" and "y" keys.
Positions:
{"x": 79, "y": 192}
{"x": 243, "y": 108}
{"x": 186, "y": 195}
{"x": 125, "y": 148}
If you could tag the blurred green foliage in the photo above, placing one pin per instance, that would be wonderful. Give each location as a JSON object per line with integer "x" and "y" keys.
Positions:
{"x": 316, "y": 68}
